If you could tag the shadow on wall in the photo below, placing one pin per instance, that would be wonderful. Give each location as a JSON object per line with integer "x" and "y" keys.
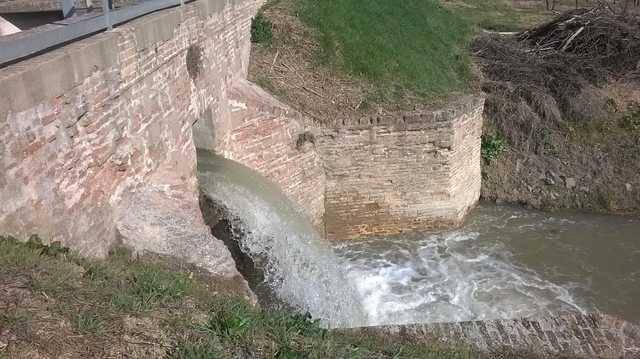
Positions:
{"x": 230, "y": 230}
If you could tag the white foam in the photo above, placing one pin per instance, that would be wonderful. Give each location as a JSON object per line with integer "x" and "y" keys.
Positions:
{"x": 446, "y": 277}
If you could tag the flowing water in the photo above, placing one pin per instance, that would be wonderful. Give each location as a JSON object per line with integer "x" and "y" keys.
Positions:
{"x": 505, "y": 262}
{"x": 300, "y": 267}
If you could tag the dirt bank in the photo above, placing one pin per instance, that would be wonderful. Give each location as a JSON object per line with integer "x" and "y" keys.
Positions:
{"x": 564, "y": 99}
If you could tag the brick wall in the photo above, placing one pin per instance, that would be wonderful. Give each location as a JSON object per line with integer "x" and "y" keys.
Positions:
{"x": 265, "y": 137}
{"x": 414, "y": 171}
{"x": 83, "y": 126}
{"x": 87, "y": 126}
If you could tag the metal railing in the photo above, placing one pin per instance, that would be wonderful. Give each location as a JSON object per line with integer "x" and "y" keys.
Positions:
{"x": 27, "y": 43}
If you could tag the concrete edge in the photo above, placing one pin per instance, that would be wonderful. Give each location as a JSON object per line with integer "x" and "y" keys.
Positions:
{"x": 429, "y": 117}
{"x": 53, "y": 73}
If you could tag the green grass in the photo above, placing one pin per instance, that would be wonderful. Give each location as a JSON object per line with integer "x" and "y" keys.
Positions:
{"x": 410, "y": 45}
{"x": 242, "y": 331}
{"x": 95, "y": 297}
{"x": 631, "y": 120}
{"x": 261, "y": 29}
{"x": 87, "y": 323}
{"x": 497, "y": 15}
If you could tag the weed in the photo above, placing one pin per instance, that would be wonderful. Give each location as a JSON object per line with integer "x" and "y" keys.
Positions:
{"x": 149, "y": 286}
{"x": 87, "y": 323}
{"x": 232, "y": 321}
{"x": 16, "y": 255}
{"x": 97, "y": 272}
{"x": 52, "y": 250}
{"x": 261, "y": 29}
{"x": 204, "y": 349}
{"x": 492, "y": 146}
{"x": 631, "y": 120}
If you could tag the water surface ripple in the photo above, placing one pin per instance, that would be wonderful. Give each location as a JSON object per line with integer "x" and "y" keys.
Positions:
{"x": 505, "y": 262}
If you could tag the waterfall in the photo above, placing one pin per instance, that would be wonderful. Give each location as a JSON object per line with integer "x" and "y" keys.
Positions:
{"x": 299, "y": 267}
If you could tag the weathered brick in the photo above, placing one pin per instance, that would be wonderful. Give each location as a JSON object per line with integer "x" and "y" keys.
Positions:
{"x": 390, "y": 175}
{"x": 77, "y": 148}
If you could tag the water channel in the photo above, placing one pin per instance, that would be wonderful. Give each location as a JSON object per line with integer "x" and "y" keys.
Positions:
{"x": 505, "y": 262}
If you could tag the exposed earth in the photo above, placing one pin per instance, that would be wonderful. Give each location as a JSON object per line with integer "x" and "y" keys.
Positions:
{"x": 565, "y": 99}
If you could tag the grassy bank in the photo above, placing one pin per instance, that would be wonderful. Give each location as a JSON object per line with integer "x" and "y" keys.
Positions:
{"x": 415, "y": 45}
{"x": 54, "y": 303}
{"x": 501, "y": 15}
{"x": 333, "y": 59}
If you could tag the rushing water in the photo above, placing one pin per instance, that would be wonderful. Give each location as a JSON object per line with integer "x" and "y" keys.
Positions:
{"x": 300, "y": 267}
{"x": 505, "y": 262}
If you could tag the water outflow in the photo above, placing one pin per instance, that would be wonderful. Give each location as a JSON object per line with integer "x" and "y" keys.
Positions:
{"x": 506, "y": 262}
{"x": 446, "y": 278}
{"x": 300, "y": 268}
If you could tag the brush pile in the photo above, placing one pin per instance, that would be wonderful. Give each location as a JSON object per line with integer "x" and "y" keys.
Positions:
{"x": 595, "y": 37}
{"x": 556, "y": 72}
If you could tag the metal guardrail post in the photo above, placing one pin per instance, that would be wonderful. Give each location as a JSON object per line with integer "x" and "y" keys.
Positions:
{"x": 67, "y": 6}
{"x": 107, "y": 15}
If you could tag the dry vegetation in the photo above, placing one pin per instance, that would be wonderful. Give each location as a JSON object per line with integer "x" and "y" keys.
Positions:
{"x": 330, "y": 72}
{"x": 563, "y": 95}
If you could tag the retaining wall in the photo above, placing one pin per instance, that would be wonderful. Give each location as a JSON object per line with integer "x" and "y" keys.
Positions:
{"x": 88, "y": 127}
{"x": 412, "y": 172}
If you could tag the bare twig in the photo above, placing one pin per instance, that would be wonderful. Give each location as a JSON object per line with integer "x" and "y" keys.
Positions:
{"x": 566, "y": 44}
{"x": 275, "y": 58}
{"x": 312, "y": 91}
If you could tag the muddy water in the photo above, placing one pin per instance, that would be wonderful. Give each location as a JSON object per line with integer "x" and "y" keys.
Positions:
{"x": 505, "y": 262}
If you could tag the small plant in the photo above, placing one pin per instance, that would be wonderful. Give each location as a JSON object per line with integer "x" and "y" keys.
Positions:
{"x": 631, "y": 121}
{"x": 203, "y": 349}
{"x": 232, "y": 322}
{"x": 153, "y": 285}
{"x": 150, "y": 286}
{"x": 287, "y": 329}
{"x": 52, "y": 250}
{"x": 261, "y": 29}
{"x": 492, "y": 146}
{"x": 87, "y": 323}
